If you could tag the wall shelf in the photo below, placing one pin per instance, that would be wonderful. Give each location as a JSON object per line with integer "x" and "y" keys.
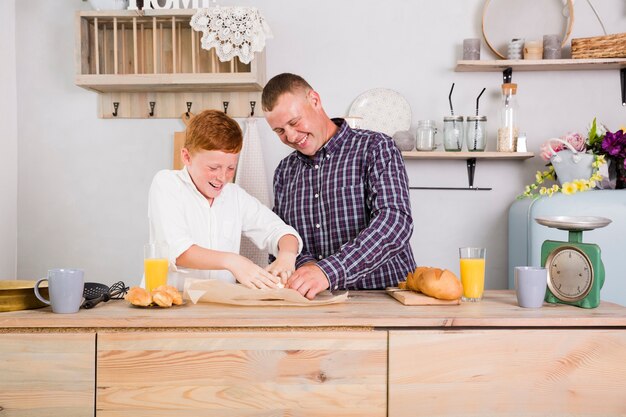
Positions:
{"x": 470, "y": 158}
{"x": 540, "y": 65}
{"x": 150, "y": 64}
{"x": 467, "y": 155}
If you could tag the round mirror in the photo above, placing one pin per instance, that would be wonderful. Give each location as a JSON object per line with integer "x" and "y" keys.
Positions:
{"x": 504, "y": 20}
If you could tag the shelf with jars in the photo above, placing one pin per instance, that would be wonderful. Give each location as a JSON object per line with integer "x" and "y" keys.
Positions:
{"x": 470, "y": 158}
{"x": 150, "y": 64}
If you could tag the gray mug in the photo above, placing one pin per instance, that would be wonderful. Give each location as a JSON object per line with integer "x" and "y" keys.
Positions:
{"x": 65, "y": 287}
{"x": 530, "y": 285}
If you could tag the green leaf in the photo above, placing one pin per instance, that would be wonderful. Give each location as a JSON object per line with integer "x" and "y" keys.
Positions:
{"x": 593, "y": 132}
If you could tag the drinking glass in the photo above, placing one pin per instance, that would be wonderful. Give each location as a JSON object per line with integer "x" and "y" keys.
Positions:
{"x": 472, "y": 273}
{"x": 155, "y": 264}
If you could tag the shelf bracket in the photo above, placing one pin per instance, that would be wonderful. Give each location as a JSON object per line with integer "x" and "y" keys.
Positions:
{"x": 471, "y": 169}
{"x": 622, "y": 77}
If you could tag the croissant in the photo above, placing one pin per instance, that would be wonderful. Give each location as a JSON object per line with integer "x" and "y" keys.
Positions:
{"x": 435, "y": 282}
{"x": 138, "y": 296}
{"x": 162, "y": 298}
{"x": 177, "y": 299}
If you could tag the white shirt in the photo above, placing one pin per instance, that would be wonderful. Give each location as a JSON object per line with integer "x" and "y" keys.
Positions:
{"x": 181, "y": 216}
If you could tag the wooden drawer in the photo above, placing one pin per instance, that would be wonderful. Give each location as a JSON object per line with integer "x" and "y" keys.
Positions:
{"x": 507, "y": 373}
{"x": 242, "y": 374}
{"x": 47, "y": 374}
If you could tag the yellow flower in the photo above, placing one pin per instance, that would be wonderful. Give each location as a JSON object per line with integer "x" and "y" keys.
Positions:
{"x": 539, "y": 177}
{"x": 581, "y": 185}
{"x": 543, "y": 190}
{"x": 569, "y": 188}
{"x": 592, "y": 184}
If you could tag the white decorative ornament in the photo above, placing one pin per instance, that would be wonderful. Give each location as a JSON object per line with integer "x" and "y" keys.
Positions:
{"x": 232, "y": 31}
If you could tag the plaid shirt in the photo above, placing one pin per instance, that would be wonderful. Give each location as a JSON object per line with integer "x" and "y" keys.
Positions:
{"x": 350, "y": 203}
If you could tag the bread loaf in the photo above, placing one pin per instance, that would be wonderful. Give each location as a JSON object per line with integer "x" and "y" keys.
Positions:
{"x": 177, "y": 299}
{"x": 435, "y": 282}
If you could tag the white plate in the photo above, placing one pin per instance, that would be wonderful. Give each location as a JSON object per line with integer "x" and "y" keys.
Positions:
{"x": 382, "y": 110}
{"x": 573, "y": 222}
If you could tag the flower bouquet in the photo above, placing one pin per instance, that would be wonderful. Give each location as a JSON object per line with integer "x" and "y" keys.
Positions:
{"x": 576, "y": 153}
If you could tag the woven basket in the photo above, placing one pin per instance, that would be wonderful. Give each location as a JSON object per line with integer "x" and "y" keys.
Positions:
{"x": 609, "y": 46}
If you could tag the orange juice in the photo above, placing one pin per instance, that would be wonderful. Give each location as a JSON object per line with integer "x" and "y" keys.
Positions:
{"x": 473, "y": 278}
{"x": 155, "y": 271}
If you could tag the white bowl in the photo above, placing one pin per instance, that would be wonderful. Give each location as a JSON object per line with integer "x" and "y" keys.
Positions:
{"x": 109, "y": 4}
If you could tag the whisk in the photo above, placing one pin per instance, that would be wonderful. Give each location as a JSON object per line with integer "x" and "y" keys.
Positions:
{"x": 95, "y": 293}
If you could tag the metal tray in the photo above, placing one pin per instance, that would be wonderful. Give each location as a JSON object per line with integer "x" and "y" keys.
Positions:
{"x": 573, "y": 222}
{"x": 20, "y": 295}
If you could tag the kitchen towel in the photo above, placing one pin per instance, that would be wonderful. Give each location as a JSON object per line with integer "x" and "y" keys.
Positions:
{"x": 252, "y": 177}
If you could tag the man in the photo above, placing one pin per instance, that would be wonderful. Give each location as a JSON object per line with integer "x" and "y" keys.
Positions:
{"x": 345, "y": 191}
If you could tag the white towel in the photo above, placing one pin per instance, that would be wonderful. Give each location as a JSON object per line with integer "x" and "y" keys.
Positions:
{"x": 252, "y": 177}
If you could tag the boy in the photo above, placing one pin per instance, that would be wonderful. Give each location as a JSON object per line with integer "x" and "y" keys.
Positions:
{"x": 201, "y": 214}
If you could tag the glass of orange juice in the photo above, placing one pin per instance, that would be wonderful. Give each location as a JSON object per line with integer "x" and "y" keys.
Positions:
{"x": 472, "y": 273}
{"x": 155, "y": 264}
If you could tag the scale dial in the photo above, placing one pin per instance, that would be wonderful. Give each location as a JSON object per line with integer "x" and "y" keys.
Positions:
{"x": 570, "y": 273}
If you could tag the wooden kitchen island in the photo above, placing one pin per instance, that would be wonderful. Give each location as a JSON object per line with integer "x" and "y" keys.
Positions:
{"x": 370, "y": 356}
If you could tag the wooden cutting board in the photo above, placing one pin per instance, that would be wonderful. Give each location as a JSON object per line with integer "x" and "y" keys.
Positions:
{"x": 412, "y": 298}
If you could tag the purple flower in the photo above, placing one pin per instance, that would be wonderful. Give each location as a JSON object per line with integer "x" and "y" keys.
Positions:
{"x": 614, "y": 144}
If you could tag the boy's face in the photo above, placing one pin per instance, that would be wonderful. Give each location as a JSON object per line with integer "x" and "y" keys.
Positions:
{"x": 210, "y": 171}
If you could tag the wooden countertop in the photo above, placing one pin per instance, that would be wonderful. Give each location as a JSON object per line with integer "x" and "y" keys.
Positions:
{"x": 364, "y": 309}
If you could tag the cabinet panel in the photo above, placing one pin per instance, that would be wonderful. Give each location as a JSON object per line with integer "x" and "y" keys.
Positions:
{"x": 242, "y": 374}
{"x": 47, "y": 374}
{"x": 507, "y": 372}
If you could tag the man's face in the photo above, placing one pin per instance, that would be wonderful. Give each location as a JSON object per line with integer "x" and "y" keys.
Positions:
{"x": 297, "y": 119}
{"x": 210, "y": 171}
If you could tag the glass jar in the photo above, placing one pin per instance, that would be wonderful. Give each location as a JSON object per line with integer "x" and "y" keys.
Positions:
{"x": 453, "y": 133}
{"x": 508, "y": 130}
{"x": 425, "y": 135}
{"x": 476, "y": 133}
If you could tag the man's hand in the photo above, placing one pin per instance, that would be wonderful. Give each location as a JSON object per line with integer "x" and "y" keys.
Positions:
{"x": 308, "y": 280}
{"x": 250, "y": 274}
{"x": 283, "y": 266}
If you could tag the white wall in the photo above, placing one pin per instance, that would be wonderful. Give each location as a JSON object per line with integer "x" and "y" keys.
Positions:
{"x": 8, "y": 142}
{"x": 84, "y": 181}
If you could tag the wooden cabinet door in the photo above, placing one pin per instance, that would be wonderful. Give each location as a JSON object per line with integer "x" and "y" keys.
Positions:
{"x": 225, "y": 374}
{"x": 50, "y": 374}
{"x": 551, "y": 372}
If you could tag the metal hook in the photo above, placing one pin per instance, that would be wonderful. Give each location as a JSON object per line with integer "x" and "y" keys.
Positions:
{"x": 252, "y": 105}
{"x": 225, "y": 104}
{"x": 152, "y": 104}
{"x": 116, "y": 106}
{"x": 189, "y": 104}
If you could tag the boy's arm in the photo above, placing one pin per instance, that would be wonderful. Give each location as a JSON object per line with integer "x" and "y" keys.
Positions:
{"x": 285, "y": 263}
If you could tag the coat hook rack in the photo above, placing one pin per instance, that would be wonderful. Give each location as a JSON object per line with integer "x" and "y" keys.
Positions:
{"x": 189, "y": 104}
{"x": 152, "y": 104}
{"x": 225, "y": 104}
{"x": 116, "y": 105}
{"x": 252, "y": 106}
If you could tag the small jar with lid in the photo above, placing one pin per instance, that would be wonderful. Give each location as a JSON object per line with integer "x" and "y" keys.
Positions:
{"x": 453, "y": 133}
{"x": 476, "y": 133}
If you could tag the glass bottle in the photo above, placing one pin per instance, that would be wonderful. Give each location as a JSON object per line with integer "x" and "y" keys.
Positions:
{"x": 476, "y": 133}
{"x": 508, "y": 130}
{"x": 425, "y": 135}
{"x": 453, "y": 134}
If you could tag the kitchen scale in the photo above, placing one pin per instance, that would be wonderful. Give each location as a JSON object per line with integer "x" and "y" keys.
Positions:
{"x": 575, "y": 269}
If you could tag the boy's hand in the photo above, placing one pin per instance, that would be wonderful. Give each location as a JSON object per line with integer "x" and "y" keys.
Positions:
{"x": 283, "y": 266}
{"x": 250, "y": 274}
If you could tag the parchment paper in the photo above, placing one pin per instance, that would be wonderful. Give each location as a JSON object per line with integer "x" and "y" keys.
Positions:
{"x": 216, "y": 291}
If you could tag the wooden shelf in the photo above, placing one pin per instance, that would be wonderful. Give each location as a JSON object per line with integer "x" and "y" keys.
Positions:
{"x": 107, "y": 83}
{"x": 541, "y": 65}
{"x": 467, "y": 155}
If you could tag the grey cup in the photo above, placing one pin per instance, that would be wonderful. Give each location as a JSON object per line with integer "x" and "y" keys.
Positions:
{"x": 530, "y": 285}
{"x": 65, "y": 287}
